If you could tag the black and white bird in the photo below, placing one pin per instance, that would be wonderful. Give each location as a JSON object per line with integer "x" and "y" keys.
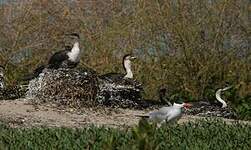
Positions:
{"x": 70, "y": 56}
{"x": 167, "y": 114}
{"x": 2, "y": 84}
{"x": 220, "y": 103}
{"x": 67, "y": 58}
{"x": 217, "y": 108}
{"x": 120, "y": 90}
{"x": 127, "y": 64}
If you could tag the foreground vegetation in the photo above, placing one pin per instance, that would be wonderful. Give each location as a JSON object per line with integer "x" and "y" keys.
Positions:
{"x": 191, "y": 47}
{"x": 198, "y": 135}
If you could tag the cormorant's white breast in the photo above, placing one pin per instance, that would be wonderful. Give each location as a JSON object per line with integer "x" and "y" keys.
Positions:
{"x": 127, "y": 62}
{"x": 127, "y": 65}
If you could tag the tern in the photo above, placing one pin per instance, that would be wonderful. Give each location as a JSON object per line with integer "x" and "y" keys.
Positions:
{"x": 167, "y": 114}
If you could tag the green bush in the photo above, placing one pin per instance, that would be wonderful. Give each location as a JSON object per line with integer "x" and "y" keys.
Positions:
{"x": 199, "y": 135}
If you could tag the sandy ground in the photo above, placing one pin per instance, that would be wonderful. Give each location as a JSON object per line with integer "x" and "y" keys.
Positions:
{"x": 21, "y": 113}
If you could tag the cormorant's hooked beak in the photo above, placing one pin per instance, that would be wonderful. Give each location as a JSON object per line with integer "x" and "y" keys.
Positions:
{"x": 226, "y": 88}
{"x": 133, "y": 57}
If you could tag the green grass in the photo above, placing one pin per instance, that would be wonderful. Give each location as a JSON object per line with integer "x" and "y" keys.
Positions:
{"x": 198, "y": 135}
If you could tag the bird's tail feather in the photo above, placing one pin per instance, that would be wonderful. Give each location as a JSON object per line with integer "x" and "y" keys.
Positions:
{"x": 28, "y": 77}
{"x": 142, "y": 116}
{"x": 35, "y": 73}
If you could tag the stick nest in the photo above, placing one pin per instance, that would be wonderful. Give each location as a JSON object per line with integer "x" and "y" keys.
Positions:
{"x": 68, "y": 87}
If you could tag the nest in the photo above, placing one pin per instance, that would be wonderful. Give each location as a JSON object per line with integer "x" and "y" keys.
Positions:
{"x": 65, "y": 87}
{"x": 12, "y": 92}
{"x": 208, "y": 110}
{"x": 80, "y": 88}
{"x": 124, "y": 94}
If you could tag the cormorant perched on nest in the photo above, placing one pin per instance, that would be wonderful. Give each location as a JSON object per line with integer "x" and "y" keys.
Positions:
{"x": 120, "y": 90}
{"x": 119, "y": 76}
{"x": 218, "y": 108}
{"x": 67, "y": 58}
{"x": 70, "y": 55}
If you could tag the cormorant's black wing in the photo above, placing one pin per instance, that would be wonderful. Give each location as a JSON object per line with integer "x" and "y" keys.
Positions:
{"x": 56, "y": 60}
{"x": 112, "y": 76}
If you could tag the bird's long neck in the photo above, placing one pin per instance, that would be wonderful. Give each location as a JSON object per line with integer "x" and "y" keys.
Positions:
{"x": 217, "y": 95}
{"x": 127, "y": 66}
{"x": 163, "y": 98}
{"x": 74, "y": 53}
{"x": 76, "y": 48}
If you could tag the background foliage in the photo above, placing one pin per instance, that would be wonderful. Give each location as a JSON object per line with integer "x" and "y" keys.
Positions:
{"x": 191, "y": 47}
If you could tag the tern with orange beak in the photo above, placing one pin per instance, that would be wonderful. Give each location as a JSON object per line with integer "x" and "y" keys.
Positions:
{"x": 167, "y": 114}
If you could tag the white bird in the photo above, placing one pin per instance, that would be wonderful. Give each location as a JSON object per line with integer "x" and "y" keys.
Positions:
{"x": 218, "y": 93}
{"x": 167, "y": 114}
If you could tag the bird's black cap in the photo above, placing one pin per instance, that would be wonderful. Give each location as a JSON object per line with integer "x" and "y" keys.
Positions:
{"x": 131, "y": 55}
{"x": 74, "y": 34}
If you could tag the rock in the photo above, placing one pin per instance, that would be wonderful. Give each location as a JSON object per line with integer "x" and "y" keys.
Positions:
{"x": 65, "y": 87}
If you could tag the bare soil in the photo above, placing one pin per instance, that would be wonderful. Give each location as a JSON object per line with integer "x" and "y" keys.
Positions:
{"x": 22, "y": 113}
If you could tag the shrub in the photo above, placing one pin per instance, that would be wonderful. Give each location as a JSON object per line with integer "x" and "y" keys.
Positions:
{"x": 207, "y": 134}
